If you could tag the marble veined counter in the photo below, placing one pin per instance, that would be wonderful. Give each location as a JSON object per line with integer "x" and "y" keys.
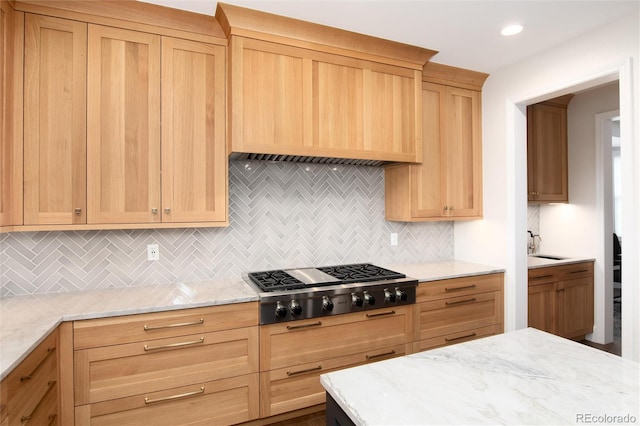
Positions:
{"x": 525, "y": 377}
{"x": 26, "y": 320}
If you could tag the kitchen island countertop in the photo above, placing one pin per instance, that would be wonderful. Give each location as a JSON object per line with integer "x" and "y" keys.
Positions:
{"x": 522, "y": 377}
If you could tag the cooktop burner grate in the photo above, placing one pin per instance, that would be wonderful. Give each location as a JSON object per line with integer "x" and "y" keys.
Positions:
{"x": 275, "y": 280}
{"x": 360, "y": 272}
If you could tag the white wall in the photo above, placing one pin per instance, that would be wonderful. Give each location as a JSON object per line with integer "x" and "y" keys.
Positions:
{"x": 600, "y": 56}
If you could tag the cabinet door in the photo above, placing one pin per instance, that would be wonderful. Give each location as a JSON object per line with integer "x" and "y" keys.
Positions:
{"x": 575, "y": 310}
{"x": 547, "y": 153}
{"x": 11, "y": 48}
{"x": 542, "y": 308}
{"x": 55, "y": 113}
{"x": 123, "y": 119}
{"x": 462, "y": 136}
{"x": 194, "y": 162}
{"x": 269, "y": 108}
{"x": 427, "y": 178}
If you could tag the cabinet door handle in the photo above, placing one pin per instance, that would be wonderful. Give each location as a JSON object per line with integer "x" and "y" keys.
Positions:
{"x": 579, "y": 271}
{"x": 308, "y": 370}
{"x": 182, "y": 324}
{"x": 453, "y": 339}
{"x": 77, "y": 210}
{"x": 154, "y": 210}
{"x": 296, "y": 327}
{"x": 559, "y": 290}
{"x": 381, "y": 314}
{"x": 52, "y": 418}
{"x": 174, "y": 345}
{"x": 542, "y": 277}
{"x": 28, "y": 377}
{"x": 466, "y": 287}
{"x": 369, "y": 357}
{"x": 172, "y": 397}
{"x": 167, "y": 211}
{"x": 460, "y": 302}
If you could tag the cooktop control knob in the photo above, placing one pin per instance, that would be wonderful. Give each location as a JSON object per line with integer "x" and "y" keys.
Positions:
{"x": 389, "y": 296}
{"x": 369, "y": 299}
{"x": 296, "y": 309}
{"x": 281, "y": 310}
{"x": 327, "y": 304}
{"x": 356, "y": 300}
{"x": 401, "y": 295}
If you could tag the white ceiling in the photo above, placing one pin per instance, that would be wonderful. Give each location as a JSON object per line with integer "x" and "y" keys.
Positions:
{"x": 466, "y": 33}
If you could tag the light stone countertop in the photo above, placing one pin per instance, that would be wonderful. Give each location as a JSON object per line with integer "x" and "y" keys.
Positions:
{"x": 537, "y": 262}
{"x": 433, "y": 271}
{"x": 525, "y": 377}
{"x": 26, "y": 320}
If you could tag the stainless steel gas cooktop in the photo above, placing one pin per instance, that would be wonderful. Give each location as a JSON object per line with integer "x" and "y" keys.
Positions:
{"x": 302, "y": 293}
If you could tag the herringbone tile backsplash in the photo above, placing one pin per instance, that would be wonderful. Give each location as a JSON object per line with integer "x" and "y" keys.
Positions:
{"x": 281, "y": 214}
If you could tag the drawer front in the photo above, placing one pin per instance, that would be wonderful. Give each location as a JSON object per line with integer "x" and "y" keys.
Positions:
{"x": 124, "y": 370}
{"x": 136, "y": 328}
{"x": 459, "y": 337}
{"x": 301, "y": 342}
{"x": 458, "y": 314}
{"x": 28, "y": 392}
{"x": 289, "y": 389}
{"x": 227, "y": 401}
{"x": 575, "y": 271}
{"x": 458, "y": 287}
{"x": 46, "y": 413}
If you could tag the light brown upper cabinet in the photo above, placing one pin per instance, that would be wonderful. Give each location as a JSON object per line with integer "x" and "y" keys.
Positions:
{"x": 547, "y": 151}
{"x": 55, "y": 117}
{"x": 448, "y": 183}
{"x": 125, "y": 127}
{"x": 194, "y": 160}
{"x": 11, "y": 150}
{"x": 302, "y": 89}
{"x": 123, "y": 120}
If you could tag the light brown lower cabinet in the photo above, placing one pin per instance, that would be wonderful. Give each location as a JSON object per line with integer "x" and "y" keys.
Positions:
{"x": 561, "y": 299}
{"x": 295, "y": 354}
{"x": 459, "y": 309}
{"x": 192, "y": 366}
{"x": 30, "y": 392}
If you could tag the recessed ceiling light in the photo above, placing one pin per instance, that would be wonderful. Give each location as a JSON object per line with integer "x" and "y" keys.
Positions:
{"x": 510, "y": 30}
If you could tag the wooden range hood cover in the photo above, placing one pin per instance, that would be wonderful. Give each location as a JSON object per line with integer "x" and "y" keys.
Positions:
{"x": 241, "y": 21}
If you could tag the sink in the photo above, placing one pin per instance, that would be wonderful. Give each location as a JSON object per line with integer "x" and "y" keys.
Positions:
{"x": 546, "y": 256}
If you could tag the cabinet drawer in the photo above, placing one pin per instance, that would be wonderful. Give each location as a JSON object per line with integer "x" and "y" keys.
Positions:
{"x": 289, "y": 389}
{"x": 458, "y": 337}
{"x": 300, "y": 342}
{"x": 136, "y": 328}
{"x": 457, "y": 314}
{"x": 227, "y": 401}
{"x": 539, "y": 276}
{"x": 149, "y": 366}
{"x": 46, "y": 413}
{"x": 28, "y": 384}
{"x": 458, "y": 287}
{"x": 575, "y": 271}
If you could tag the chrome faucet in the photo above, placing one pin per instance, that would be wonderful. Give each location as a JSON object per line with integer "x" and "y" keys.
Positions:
{"x": 532, "y": 248}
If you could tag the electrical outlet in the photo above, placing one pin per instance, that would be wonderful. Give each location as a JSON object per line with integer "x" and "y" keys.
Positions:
{"x": 153, "y": 252}
{"x": 394, "y": 239}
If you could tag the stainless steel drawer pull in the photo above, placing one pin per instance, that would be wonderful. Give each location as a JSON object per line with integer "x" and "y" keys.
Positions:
{"x": 542, "y": 277}
{"x": 579, "y": 272}
{"x": 174, "y": 345}
{"x": 308, "y": 370}
{"x": 172, "y": 397}
{"x": 182, "y": 324}
{"x": 460, "y": 302}
{"x": 453, "y": 339}
{"x": 381, "y": 314}
{"x": 466, "y": 287}
{"x": 296, "y": 327}
{"x": 381, "y": 355}
{"x": 28, "y": 377}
